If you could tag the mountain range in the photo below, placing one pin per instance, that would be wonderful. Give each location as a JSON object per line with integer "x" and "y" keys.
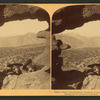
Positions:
{"x": 21, "y": 40}
{"x": 73, "y": 39}
{"x": 78, "y": 41}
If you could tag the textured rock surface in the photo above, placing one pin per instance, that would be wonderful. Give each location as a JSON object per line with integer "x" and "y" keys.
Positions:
{"x": 74, "y": 16}
{"x": 33, "y": 80}
{"x": 92, "y": 82}
{"x": 21, "y": 12}
{"x": 44, "y": 58}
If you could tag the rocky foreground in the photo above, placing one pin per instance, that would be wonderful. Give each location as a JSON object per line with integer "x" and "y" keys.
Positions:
{"x": 91, "y": 82}
{"x": 32, "y": 80}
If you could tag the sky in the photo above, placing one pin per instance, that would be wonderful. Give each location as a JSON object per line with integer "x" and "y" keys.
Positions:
{"x": 89, "y": 29}
{"x": 15, "y": 28}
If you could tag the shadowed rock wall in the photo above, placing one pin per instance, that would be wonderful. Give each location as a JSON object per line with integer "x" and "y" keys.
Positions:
{"x": 21, "y": 12}
{"x": 74, "y": 16}
{"x": 71, "y": 17}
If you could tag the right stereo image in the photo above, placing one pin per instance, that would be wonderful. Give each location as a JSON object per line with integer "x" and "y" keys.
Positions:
{"x": 76, "y": 48}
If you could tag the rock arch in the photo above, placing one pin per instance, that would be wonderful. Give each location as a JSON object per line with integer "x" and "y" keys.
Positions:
{"x": 69, "y": 17}
{"x": 14, "y": 12}
{"x": 74, "y": 16}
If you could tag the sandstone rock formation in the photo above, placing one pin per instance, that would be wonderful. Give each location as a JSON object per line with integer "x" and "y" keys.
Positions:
{"x": 33, "y": 80}
{"x": 92, "y": 82}
{"x": 74, "y": 16}
{"x": 44, "y": 58}
{"x": 21, "y": 12}
{"x": 71, "y": 17}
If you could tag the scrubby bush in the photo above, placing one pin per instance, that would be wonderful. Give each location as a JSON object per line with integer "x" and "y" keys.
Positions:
{"x": 18, "y": 54}
{"x": 80, "y": 58}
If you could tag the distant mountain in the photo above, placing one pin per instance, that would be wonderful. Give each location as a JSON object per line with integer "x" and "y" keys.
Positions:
{"x": 93, "y": 42}
{"x": 77, "y": 41}
{"x": 22, "y": 40}
{"x": 74, "y": 42}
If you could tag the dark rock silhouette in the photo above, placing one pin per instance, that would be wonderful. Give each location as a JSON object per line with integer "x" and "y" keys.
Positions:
{"x": 21, "y": 12}
{"x": 70, "y": 17}
{"x": 2, "y": 76}
{"x": 29, "y": 62}
{"x": 57, "y": 63}
{"x": 74, "y": 16}
{"x": 15, "y": 64}
{"x": 69, "y": 80}
{"x": 92, "y": 65}
{"x": 63, "y": 78}
{"x": 93, "y": 69}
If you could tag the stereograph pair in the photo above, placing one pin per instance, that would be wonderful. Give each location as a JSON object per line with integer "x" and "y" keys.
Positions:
{"x": 34, "y": 57}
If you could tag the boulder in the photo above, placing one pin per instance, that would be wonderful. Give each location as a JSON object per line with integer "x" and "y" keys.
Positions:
{"x": 92, "y": 82}
{"x": 34, "y": 80}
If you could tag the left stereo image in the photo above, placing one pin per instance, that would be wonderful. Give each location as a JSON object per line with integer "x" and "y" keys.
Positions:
{"x": 24, "y": 47}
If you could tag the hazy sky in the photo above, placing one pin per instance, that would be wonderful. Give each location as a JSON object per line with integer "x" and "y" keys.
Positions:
{"x": 90, "y": 29}
{"x": 14, "y": 28}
